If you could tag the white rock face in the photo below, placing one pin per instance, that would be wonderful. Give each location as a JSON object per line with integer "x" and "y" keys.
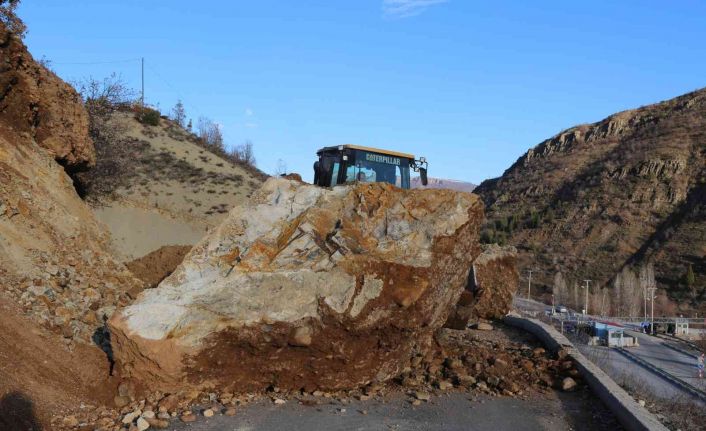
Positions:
{"x": 313, "y": 272}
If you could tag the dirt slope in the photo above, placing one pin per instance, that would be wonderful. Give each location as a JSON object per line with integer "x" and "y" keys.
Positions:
{"x": 616, "y": 193}
{"x": 173, "y": 189}
{"x": 58, "y": 281}
{"x": 40, "y": 376}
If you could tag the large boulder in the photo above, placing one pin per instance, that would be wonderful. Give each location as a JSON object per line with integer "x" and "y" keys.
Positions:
{"x": 492, "y": 283}
{"x": 305, "y": 287}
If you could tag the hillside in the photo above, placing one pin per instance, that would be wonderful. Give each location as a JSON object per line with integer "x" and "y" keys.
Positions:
{"x": 171, "y": 189}
{"x": 619, "y": 193}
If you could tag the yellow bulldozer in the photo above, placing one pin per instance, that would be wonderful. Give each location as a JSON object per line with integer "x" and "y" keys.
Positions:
{"x": 345, "y": 164}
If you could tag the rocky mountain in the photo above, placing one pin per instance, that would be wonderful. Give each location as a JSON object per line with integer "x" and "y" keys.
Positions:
{"x": 619, "y": 193}
{"x": 440, "y": 183}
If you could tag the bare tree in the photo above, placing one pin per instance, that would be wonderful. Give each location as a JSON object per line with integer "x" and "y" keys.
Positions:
{"x": 559, "y": 288}
{"x": 179, "y": 114}
{"x": 281, "y": 168}
{"x": 631, "y": 292}
{"x": 9, "y": 18}
{"x": 211, "y": 135}
{"x": 113, "y": 153}
{"x": 243, "y": 153}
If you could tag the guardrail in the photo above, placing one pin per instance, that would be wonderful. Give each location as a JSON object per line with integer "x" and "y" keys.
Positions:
{"x": 680, "y": 350}
{"x": 655, "y": 369}
{"x": 679, "y": 340}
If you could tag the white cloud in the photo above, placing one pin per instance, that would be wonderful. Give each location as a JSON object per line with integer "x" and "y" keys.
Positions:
{"x": 407, "y": 8}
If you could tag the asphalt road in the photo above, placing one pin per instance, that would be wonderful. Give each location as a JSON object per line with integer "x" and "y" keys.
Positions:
{"x": 656, "y": 351}
{"x": 653, "y": 350}
{"x": 555, "y": 411}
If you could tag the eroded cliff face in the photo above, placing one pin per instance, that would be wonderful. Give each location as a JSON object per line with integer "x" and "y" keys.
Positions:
{"x": 39, "y": 106}
{"x": 305, "y": 287}
{"x": 53, "y": 256}
{"x": 597, "y": 197}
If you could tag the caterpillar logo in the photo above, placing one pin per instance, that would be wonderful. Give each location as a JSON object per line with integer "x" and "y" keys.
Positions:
{"x": 379, "y": 158}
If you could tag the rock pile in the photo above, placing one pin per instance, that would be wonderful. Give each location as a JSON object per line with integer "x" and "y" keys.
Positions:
{"x": 305, "y": 287}
{"x": 488, "y": 363}
{"x": 491, "y": 285}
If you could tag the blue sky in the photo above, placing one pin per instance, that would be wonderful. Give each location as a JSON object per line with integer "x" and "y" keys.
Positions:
{"x": 471, "y": 85}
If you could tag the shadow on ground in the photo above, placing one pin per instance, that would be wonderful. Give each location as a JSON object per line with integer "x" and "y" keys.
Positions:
{"x": 17, "y": 413}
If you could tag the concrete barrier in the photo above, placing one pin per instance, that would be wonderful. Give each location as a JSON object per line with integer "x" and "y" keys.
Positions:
{"x": 630, "y": 414}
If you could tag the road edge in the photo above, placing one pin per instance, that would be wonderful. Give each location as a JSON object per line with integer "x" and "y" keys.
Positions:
{"x": 630, "y": 414}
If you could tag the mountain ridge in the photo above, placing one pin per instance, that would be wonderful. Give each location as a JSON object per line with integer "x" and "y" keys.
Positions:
{"x": 621, "y": 192}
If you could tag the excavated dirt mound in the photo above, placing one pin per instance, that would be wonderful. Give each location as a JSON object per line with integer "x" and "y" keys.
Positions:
{"x": 154, "y": 267}
{"x": 305, "y": 287}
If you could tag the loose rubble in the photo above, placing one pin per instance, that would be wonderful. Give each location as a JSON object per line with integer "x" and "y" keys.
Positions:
{"x": 473, "y": 361}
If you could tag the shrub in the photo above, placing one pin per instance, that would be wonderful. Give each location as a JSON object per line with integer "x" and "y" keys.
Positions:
{"x": 148, "y": 116}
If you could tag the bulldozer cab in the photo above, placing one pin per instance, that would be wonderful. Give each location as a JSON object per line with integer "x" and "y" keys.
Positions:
{"x": 346, "y": 164}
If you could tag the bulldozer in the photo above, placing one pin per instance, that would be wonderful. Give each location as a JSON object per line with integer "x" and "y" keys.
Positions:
{"x": 346, "y": 164}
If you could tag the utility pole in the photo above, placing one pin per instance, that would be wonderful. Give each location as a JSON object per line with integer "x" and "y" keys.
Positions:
{"x": 529, "y": 284}
{"x": 652, "y": 298}
{"x": 142, "y": 99}
{"x": 645, "y": 296}
{"x": 585, "y": 310}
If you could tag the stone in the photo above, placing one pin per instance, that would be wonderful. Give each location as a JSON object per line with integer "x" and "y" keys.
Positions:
{"x": 445, "y": 385}
{"x": 301, "y": 336}
{"x": 482, "y": 326}
{"x": 121, "y": 401}
{"x": 229, "y": 412}
{"x": 491, "y": 286}
{"x": 130, "y": 417}
{"x": 416, "y": 402}
{"x": 371, "y": 269}
{"x": 142, "y": 424}
{"x": 500, "y": 363}
{"x": 641, "y": 403}
{"x": 126, "y": 389}
{"x": 568, "y": 384}
{"x": 169, "y": 403}
{"x": 492, "y": 381}
{"x": 70, "y": 421}
{"x": 423, "y": 396}
{"x": 279, "y": 401}
{"x": 188, "y": 417}
{"x": 539, "y": 351}
{"x": 208, "y": 413}
{"x": 148, "y": 414}
{"x": 158, "y": 423}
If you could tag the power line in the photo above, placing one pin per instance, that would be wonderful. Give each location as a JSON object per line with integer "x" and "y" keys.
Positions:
{"x": 96, "y": 62}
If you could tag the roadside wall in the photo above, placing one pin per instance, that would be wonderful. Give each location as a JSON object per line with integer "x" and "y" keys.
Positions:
{"x": 630, "y": 414}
